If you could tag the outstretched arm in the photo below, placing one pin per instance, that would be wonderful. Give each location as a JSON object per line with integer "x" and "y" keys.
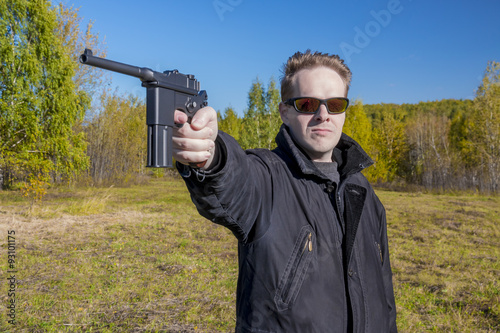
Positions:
{"x": 236, "y": 189}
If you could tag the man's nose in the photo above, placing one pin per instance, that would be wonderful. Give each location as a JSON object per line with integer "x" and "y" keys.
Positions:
{"x": 322, "y": 113}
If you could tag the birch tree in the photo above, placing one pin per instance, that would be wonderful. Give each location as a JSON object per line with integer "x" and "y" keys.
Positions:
{"x": 39, "y": 104}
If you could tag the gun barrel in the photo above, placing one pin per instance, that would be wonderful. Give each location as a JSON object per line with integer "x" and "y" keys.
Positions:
{"x": 145, "y": 74}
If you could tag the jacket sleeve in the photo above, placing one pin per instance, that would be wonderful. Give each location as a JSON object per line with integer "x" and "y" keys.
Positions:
{"x": 237, "y": 194}
{"x": 387, "y": 272}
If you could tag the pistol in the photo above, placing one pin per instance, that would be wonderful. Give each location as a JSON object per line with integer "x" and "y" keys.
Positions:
{"x": 165, "y": 93}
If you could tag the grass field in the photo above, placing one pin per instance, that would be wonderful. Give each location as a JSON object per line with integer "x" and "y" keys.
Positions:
{"x": 140, "y": 259}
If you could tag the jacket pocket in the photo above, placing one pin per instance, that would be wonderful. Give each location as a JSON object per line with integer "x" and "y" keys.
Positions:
{"x": 296, "y": 269}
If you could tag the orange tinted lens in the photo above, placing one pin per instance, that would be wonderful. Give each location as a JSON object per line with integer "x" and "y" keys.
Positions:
{"x": 336, "y": 105}
{"x": 309, "y": 105}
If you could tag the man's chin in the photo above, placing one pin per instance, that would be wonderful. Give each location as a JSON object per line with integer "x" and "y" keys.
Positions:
{"x": 317, "y": 153}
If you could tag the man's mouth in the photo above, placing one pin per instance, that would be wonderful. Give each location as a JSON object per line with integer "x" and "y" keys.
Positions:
{"x": 321, "y": 131}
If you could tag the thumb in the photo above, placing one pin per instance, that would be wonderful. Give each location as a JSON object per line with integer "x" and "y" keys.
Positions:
{"x": 202, "y": 118}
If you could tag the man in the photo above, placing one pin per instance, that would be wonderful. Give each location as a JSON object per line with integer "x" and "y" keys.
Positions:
{"x": 312, "y": 238}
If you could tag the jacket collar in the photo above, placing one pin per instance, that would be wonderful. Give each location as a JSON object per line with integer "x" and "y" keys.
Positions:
{"x": 348, "y": 154}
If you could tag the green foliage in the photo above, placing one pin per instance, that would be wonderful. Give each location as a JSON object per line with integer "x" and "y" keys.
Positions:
{"x": 35, "y": 188}
{"x": 39, "y": 104}
{"x": 75, "y": 40}
{"x": 272, "y": 121}
{"x": 251, "y": 133}
{"x": 358, "y": 126}
{"x": 230, "y": 123}
{"x": 440, "y": 145}
{"x": 390, "y": 147}
{"x": 261, "y": 120}
{"x": 484, "y": 128}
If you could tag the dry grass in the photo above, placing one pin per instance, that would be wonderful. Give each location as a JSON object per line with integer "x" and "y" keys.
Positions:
{"x": 445, "y": 254}
{"x": 140, "y": 259}
{"x": 150, "y": 263}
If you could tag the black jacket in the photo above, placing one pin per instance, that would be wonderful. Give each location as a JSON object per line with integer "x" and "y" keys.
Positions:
{"x": 313, "y": 254}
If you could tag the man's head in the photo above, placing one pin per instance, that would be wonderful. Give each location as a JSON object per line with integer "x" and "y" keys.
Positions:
{"x": 319, "y": 76}
{"x": 310, "y": 60}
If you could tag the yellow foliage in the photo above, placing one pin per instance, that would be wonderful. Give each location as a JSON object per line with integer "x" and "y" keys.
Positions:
{"x": 35, "y": 188}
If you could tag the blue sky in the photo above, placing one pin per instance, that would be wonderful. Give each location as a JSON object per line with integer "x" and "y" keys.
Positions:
{"x": 400, "y": 51}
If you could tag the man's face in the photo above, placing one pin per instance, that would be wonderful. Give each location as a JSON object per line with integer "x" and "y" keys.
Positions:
{"x": 317, "y": 134}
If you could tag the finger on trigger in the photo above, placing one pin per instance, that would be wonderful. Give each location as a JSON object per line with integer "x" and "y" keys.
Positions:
{"x": 180, "y": 118}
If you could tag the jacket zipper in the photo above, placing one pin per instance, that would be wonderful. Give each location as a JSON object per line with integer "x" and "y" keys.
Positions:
{"x": 379, "y": 252}
{"x": 308, "y": 247}
{"x": 308, "y": 244}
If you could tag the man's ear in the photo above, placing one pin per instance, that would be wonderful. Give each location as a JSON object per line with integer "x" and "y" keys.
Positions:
{"x": 283, "y": 108}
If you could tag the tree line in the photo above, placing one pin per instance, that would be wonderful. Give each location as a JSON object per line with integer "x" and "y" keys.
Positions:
{"x": 60, "y": 124}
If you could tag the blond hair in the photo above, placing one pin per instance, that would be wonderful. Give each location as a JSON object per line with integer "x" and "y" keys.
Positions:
{"x": 310, "y": 60}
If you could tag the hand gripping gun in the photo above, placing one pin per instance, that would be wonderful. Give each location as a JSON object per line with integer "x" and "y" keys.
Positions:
{"x": 166, "y": 92}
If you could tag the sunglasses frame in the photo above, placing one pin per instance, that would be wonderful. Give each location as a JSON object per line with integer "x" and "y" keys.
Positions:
{"x": 291, "y": 101}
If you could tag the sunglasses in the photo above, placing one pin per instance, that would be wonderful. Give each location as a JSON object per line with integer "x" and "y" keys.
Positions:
{"x": 310, "y": 105}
